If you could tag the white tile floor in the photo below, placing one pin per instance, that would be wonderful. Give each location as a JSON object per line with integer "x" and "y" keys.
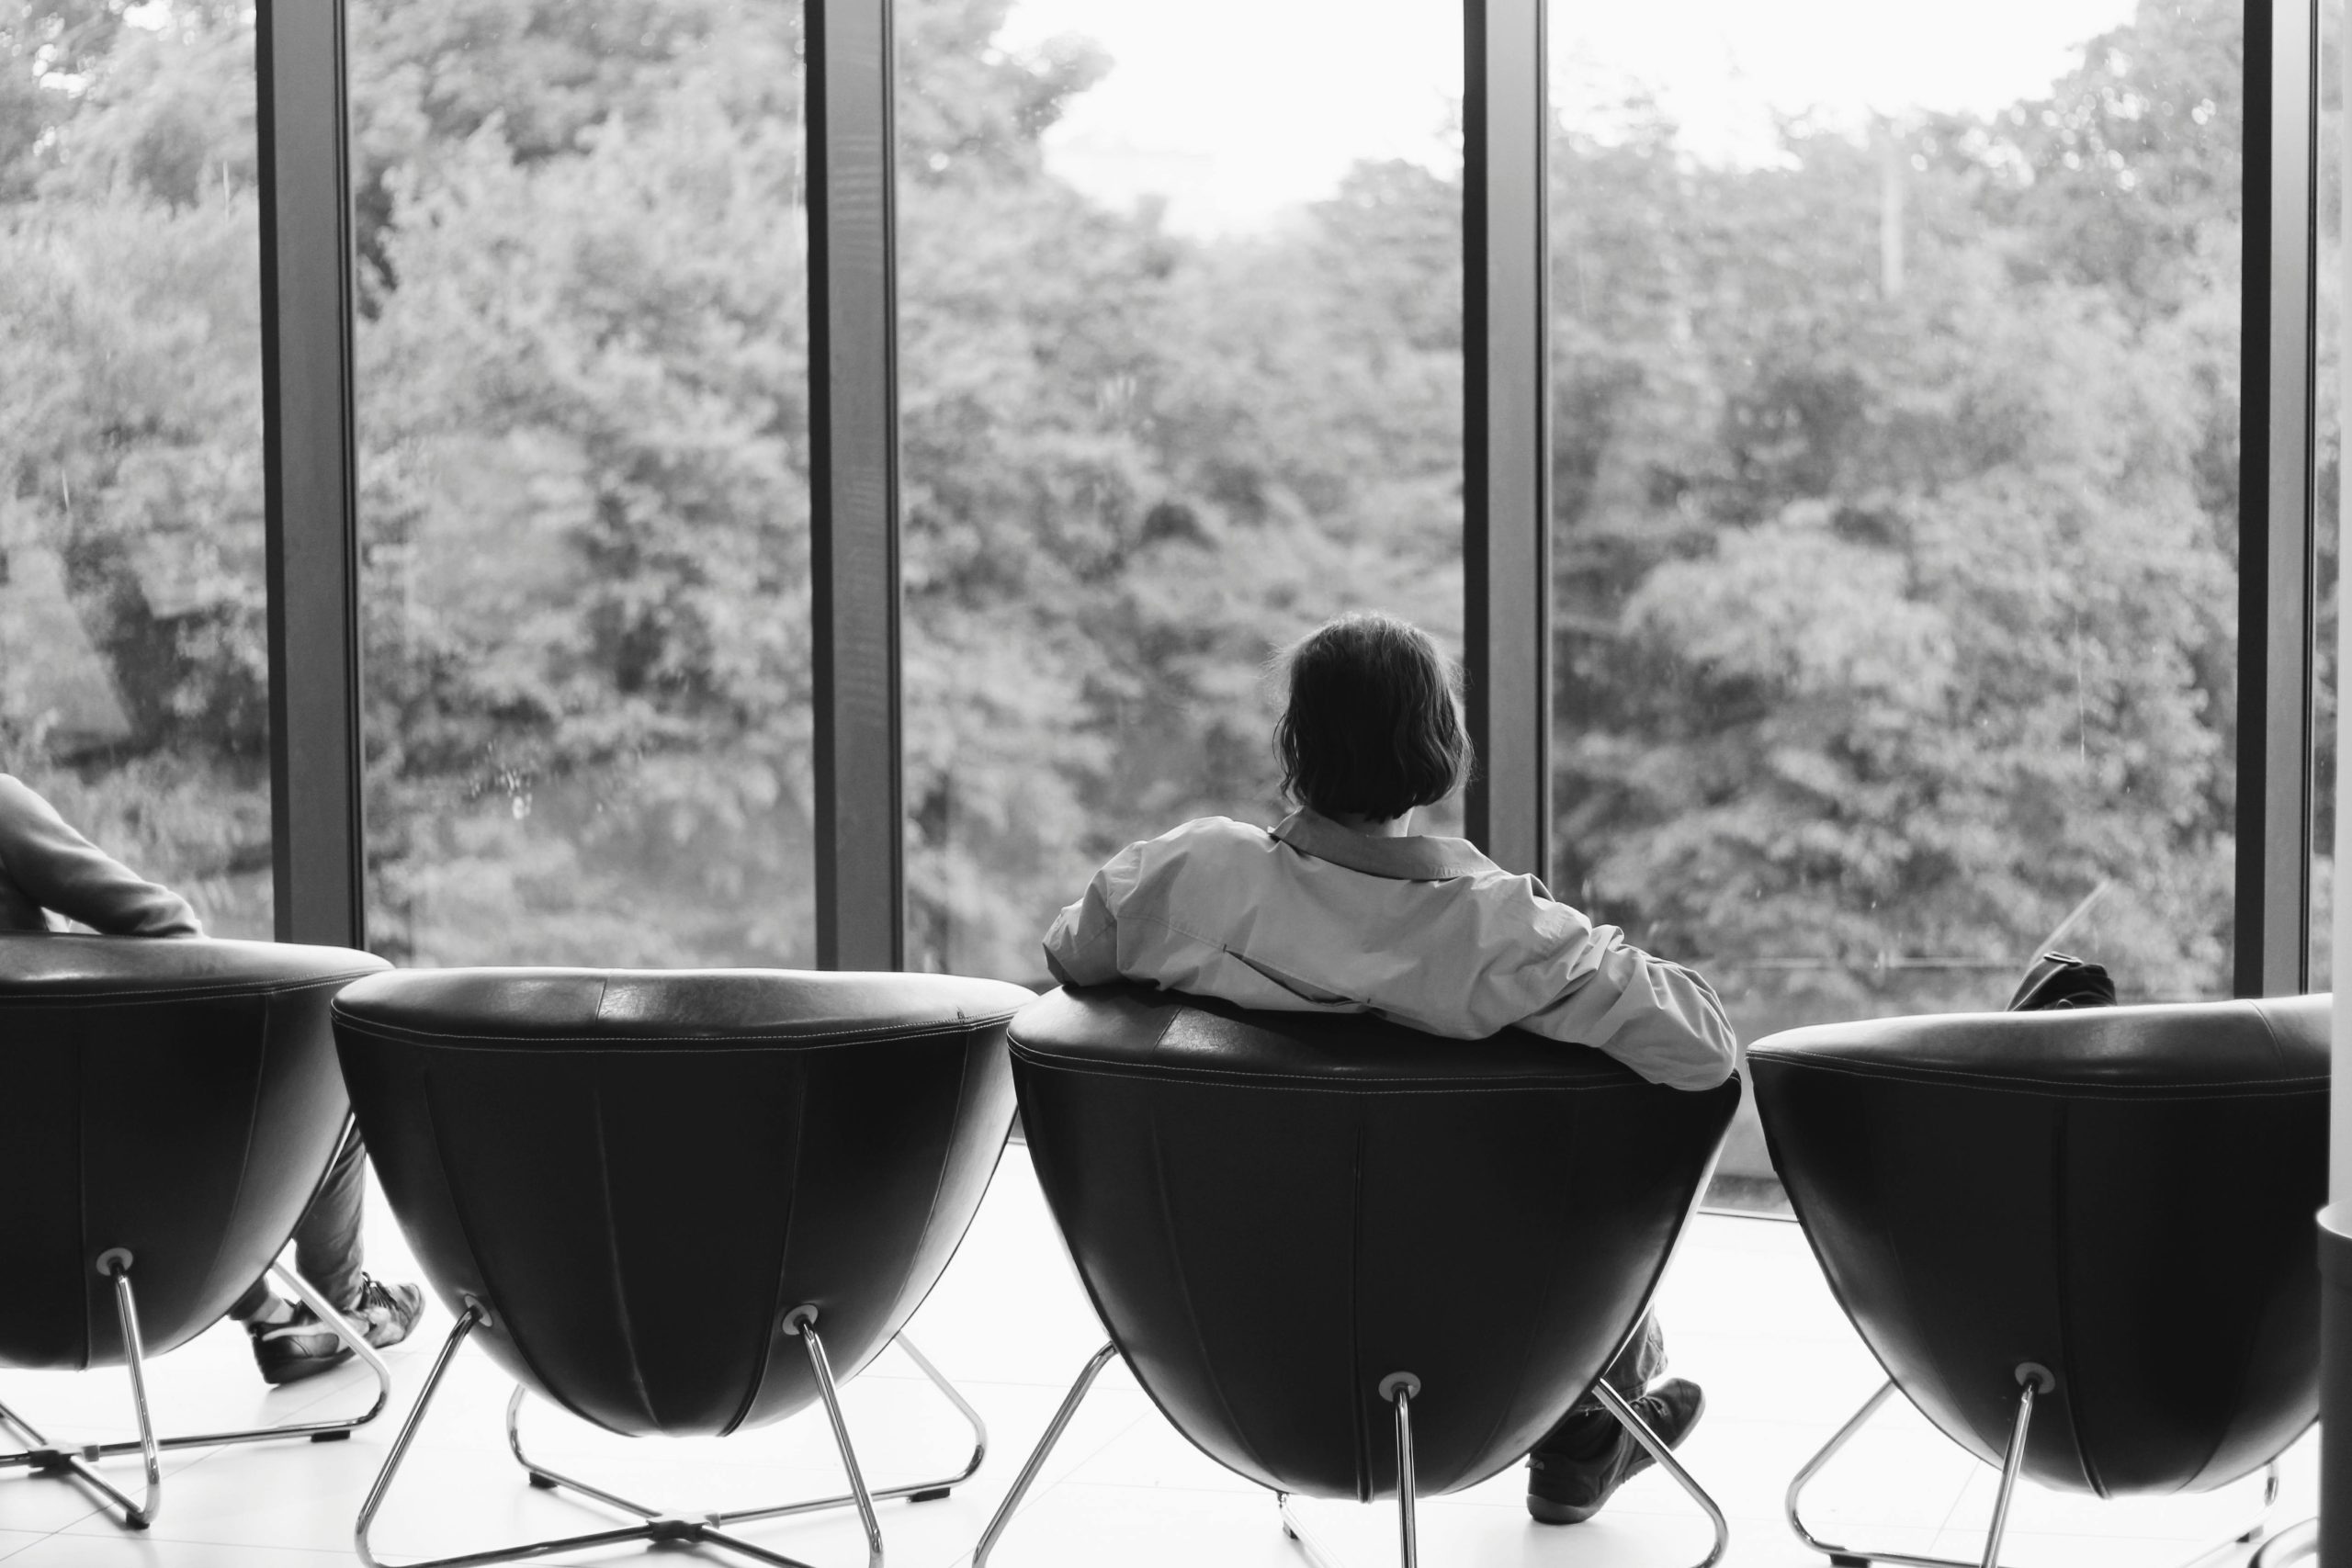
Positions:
{"x": 1745, "y": 1311}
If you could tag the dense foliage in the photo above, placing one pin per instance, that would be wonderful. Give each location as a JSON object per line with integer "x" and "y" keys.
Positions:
{"x": 1896, "y": 597}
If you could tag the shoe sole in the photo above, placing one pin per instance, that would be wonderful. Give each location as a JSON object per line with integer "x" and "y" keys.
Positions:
{"x": 1543, "y": 1511}
{"x": 308, "y": 1367}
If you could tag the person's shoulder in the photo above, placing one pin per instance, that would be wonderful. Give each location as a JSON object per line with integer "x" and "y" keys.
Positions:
{"x": 1208, "y": 831}
{"x": 17, "y": 797}
{"x": 1204, "y": 839}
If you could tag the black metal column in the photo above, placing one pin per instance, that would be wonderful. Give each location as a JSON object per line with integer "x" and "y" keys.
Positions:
{"x": 853, "y": 542}
{"x": 309, "y": 455}
{"x": 2275, "y": 499}
{"x": 1506, "y": 329}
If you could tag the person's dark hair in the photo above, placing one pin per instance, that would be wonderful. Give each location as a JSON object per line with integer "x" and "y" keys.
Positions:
{"x": 1375, "y": 726}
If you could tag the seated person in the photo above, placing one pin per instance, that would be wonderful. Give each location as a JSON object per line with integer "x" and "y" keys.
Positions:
{"x": 45, "y": 866}
{"x": 1341, "y": 907}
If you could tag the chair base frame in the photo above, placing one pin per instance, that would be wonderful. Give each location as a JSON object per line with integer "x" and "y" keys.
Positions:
{"x": 73, "y": 1465}
{"x": 654, "y": 1526}
{"x": 1399, "y": 1389}
{"x": 2032, "y": 1380}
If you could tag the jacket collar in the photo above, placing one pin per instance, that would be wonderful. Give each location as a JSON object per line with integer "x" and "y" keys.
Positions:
{"x": 1415, "y": 858}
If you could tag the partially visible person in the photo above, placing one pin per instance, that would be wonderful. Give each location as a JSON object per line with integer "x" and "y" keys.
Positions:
{"x": 1341, "y": 907}
{"x": 47, "y": 868}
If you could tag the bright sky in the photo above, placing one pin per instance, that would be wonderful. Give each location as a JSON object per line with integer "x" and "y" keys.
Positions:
{"x": 1231, "y": 135}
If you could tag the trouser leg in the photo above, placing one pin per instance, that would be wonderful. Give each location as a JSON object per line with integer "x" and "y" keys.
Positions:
{"x": 1635, "y": 1368}
{"x": 326, "y": 1239}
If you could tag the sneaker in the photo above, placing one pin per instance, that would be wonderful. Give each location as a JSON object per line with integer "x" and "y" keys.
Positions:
{"x": 1582, "y": 1463}
{"x": 304, "y": 1347}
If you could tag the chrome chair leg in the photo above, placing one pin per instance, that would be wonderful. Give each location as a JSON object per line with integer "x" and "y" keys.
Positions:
{"x": 914, "y": 1491}
{"x": 1400, "y": 1389}
{"x": 802, "y": 1322}
{"x": 1038, "y": 1455}
{"x": 2033, "y": 1381}
{"x": 115, "y": 1264}
{"x": 2297, "y": 1543}
{"x": 654, "y": 1526}
{"x": 1317, "y": 1554}
{"x": 1631, "y": 1419}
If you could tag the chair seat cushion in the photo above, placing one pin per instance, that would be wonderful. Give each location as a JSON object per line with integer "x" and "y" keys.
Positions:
{"x": 640, "y": 1174}
{"x": 1272, "y": 1212}
{"x": 175, "y": 1097}
{"x": 2122, "y": 1195}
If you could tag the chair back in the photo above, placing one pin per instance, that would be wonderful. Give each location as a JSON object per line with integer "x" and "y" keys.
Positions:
{"x": 640, "y": 1174}
{"x": 1273, "y": 1212}
{"x": 174, "y": 1096}
{"x": 2121, "y": 1195}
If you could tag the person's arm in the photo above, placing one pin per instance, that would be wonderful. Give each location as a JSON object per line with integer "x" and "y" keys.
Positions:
{"x": 1657, "y": 1018}
{"x": 60, "y": 870}
{"x": 1082, "y": 947}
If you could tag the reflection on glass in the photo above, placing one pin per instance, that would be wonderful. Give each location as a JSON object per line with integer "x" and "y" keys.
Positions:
{"x": 133, "y": 664}
{"x": 583, "y": 363}
{"x": 1896, "y": 377}
{"x": 1181, "y": 376}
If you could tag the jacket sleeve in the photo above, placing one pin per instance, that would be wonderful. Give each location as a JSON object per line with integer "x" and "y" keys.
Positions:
{"x": 1082, "y": 945}
{"x": 60, "y": 870}
{"x": 1657, "y": 1018}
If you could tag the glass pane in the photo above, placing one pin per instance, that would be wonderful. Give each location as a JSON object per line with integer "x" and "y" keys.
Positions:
{"x": 2328, "y": 499}
{"x": 584, "y": 469}
{"x": 1897, "y": 492}
{"x": 1182, "y": 377}
{"x": 133, "y": 645}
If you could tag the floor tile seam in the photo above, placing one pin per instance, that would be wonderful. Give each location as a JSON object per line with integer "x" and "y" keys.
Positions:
{"x": 37, "y": 1538}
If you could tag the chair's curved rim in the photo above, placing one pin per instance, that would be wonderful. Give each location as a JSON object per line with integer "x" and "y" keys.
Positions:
{"x": 2013, "y": 1052}
{"x": 1321, "y": 1051}
{"x": 1304, "y": 1083}
{"x": 838, "y": 1039}
{"x": 526, "y": 1007}
{"x": 68, "y": 969}
{"x": 2051, "y": 1088}
{"x": 227, "y": 990}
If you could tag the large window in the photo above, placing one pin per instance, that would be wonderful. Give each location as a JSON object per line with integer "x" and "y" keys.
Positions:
{"x": 133, "y": 675}
{"x": 1895, "y": 484}
{"x": 582, "y": 390}
{"x": 1181, "y": 376}
{"x": 1896, "y": 492}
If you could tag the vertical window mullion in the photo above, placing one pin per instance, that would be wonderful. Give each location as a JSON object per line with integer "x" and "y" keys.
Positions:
{"x": 1507, "y": 429}
{"x": 854, "y": 485}
{"x": 310, "y": 459}
{"x": 2276, "y": 486}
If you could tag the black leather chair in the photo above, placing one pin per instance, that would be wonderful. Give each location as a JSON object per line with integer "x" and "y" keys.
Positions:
{"x": 643, "y": 1192}
{"x": 2079, "y": 1241}
{"x": 1302, "y": 1230}
{"x": 169, "y": 1108}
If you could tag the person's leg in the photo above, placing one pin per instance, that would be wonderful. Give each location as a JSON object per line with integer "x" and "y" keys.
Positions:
{"x": 327, "y": 1253}
{"x": 1587, "y": 1455}
{"x": 326, "y": 1241}
{"x": 1637, "y": 1366}
{"x": 326, "y": 1238}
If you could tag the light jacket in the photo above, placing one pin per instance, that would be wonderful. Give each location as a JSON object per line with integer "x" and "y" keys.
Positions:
{"x": 1426, "y": 931}
{"x": 45, "y": 865}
